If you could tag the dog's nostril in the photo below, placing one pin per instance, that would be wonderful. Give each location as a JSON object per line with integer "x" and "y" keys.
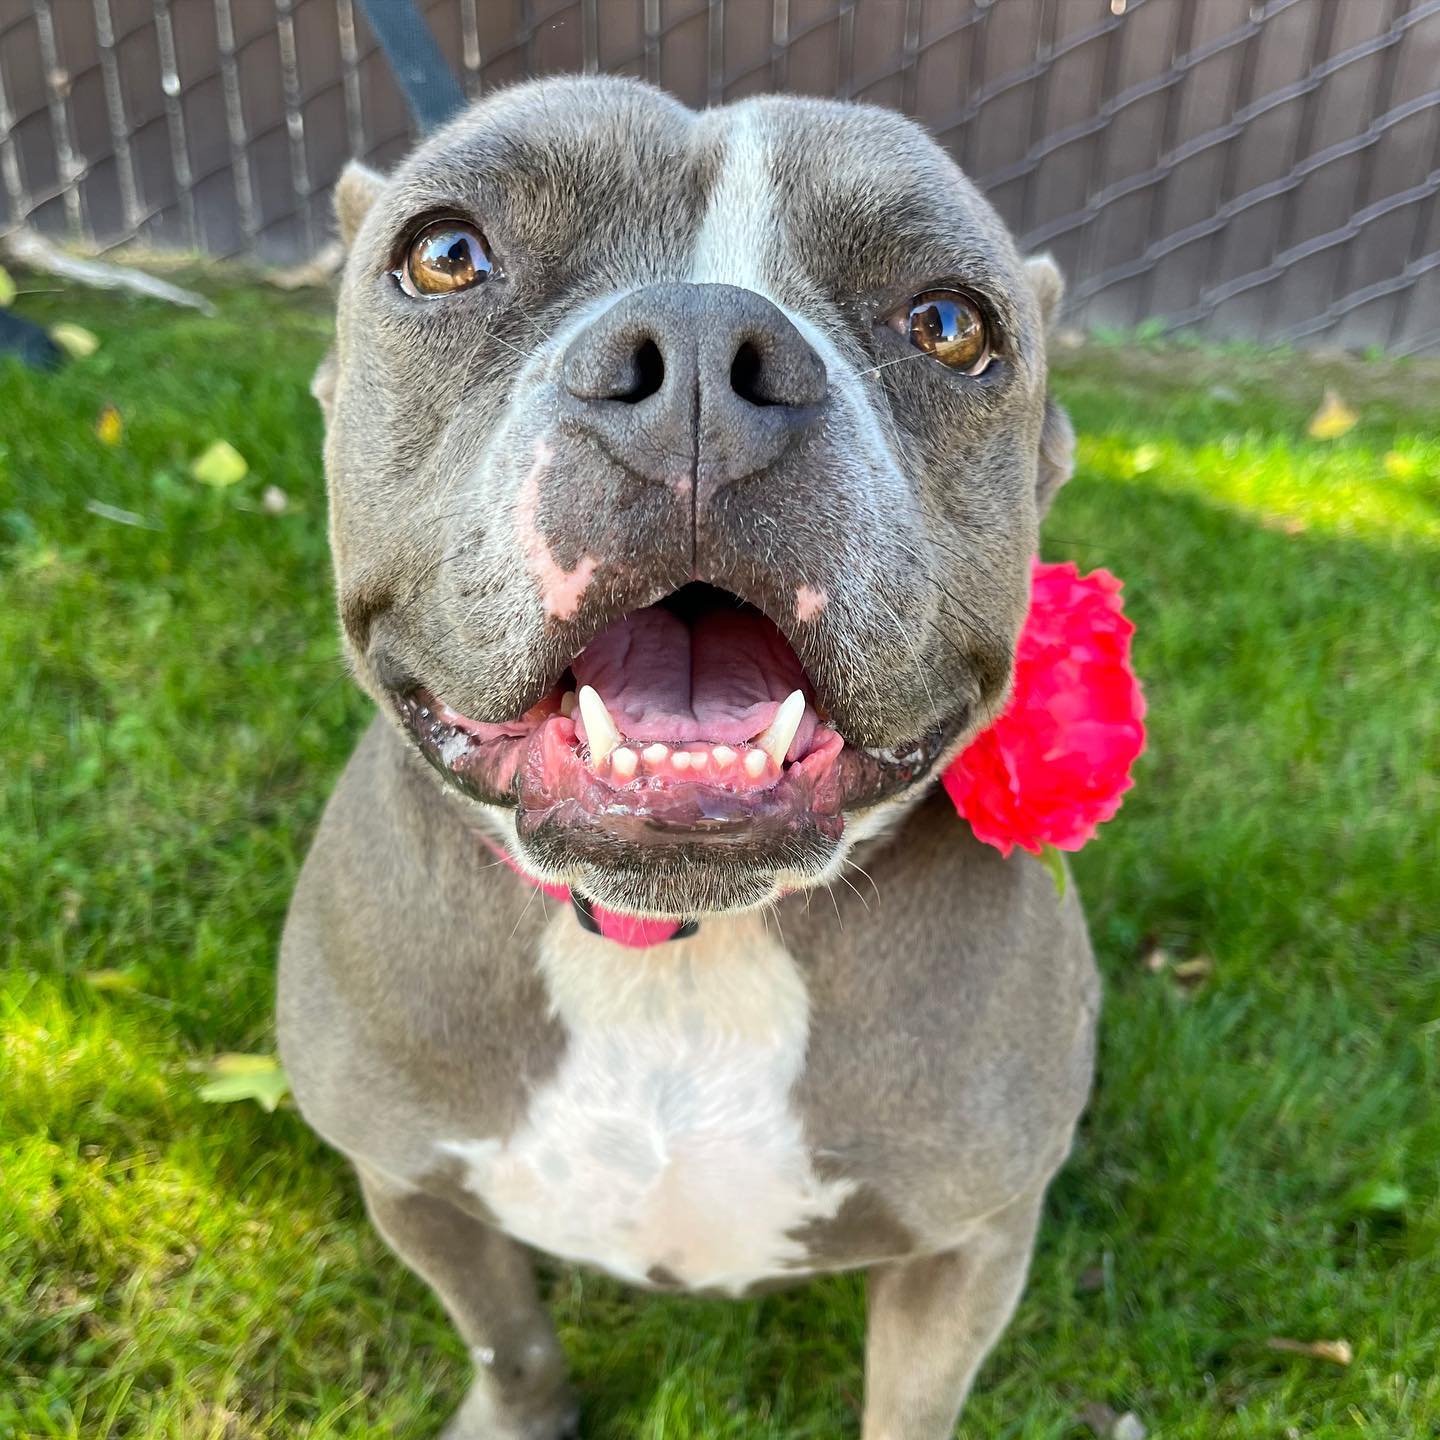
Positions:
{"x": 647, "y": 374}
{"x": 745, "y": 371}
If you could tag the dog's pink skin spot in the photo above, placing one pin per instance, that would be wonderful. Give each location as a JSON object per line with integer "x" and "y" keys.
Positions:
{"x": 561, "y": 590}
{"x": 809, "y": 603}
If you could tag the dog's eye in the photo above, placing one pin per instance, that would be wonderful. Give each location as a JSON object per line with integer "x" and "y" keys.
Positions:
{"x": 443, "y": 257}
{"x": 948, "y": 325}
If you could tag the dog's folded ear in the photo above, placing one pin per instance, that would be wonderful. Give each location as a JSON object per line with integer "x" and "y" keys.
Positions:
{"x": 355, "y": 193}
{"x": 1057, "y": 435}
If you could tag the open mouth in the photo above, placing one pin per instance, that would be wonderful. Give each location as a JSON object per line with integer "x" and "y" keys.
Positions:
{"x": 689, "y": 719}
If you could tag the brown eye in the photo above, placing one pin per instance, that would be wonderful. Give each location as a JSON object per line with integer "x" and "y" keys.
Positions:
{"x": 446, "y": 256}
{"x": 948, "y": 325}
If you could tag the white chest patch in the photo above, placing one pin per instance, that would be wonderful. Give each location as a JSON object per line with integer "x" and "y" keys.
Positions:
{"x": 666, "y": 1139}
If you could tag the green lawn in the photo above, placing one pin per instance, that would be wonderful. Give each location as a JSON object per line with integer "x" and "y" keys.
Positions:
{"x": 1262, "y": 1157}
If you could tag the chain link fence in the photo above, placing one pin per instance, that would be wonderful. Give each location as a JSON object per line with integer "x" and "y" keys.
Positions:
{"x": 1254, "y": 170}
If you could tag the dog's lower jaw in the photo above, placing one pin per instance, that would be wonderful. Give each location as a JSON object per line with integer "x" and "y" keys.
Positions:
{"x": 664, "y": 881}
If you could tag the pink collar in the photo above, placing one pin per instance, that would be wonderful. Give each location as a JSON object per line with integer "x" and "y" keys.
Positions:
{"x": 635, "y": 931}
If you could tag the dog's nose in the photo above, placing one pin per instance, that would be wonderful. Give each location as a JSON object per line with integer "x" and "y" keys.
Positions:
{"x": 680, "y": 380}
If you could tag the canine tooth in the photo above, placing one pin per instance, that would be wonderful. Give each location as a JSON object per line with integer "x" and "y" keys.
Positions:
{"x": 755, "y": 763}
{"x": 723, "y": 755}
{"x": 623, "y": 762}
{"x": 600, "y": 732}
{"x": 681, "y": 759}
{"x": 567, "y": 704}
{"x": 778, "y": 738}
{"x": 699, "y": 759}
{"x": 654, "y": 754}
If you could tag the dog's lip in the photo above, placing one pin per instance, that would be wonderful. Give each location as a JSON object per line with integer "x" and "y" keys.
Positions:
{"x": 535, "y": 765}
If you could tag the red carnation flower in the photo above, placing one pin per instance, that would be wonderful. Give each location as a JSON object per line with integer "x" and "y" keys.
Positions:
{"x": 1056, "y": 763}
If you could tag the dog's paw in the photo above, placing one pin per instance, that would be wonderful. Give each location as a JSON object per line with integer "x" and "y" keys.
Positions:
{"x": 479, "y": 1418}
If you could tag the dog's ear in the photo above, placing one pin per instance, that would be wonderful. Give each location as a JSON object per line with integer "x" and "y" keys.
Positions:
{"x": 1049, "y": 286}
{"x": 1057, "y": 435}
{"x": 355, "y": 193}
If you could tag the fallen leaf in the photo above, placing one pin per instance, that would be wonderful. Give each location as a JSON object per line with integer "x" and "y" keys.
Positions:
{"x": 1285, "y": 524}
{"x": 1337, "y": 1352}
{"x": 1333, "y": 419}
{"x": 75, "y": 340}
{"x": 110, "y": 427}
{"x": 7, "y": 288}
{"x": 1376, "y": 1197}
{"x": 275, "y": 500}
{"x": 1400, "y": 467}
{"x": 118, "y": 515}
{"x": 231, "y": 1062}
{"x": 246, "y": 1077}
{"x": 220, "y": 465}
{"x": 1193, "y": 971}
{"x": 111, "y": 979}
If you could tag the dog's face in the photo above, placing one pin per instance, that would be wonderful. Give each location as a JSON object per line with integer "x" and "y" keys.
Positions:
{"x": 684, "y": 472}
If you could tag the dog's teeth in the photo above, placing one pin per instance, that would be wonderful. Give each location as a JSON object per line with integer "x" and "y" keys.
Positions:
{"x": 567, "y": 704}
{"x": 723, "y": 755}
{"x": 699, "y": 759}
{"x": 655, "y": 754}
{"x": 755, "y": 763}
{"x": 780, "y": 736}
{"x": 623, "y": 762}
{"x": 681, "y": 759}
{"x": 600, "y": 732}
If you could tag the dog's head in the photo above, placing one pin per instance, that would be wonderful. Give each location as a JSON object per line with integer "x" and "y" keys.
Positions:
{"x": 684, "y": 473}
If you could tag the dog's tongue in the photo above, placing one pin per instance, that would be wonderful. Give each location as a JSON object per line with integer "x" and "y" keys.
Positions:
{"x": 718, "y": 678}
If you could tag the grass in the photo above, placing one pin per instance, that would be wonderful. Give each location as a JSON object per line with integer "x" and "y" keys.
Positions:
{"x": 1262, "y": 1157}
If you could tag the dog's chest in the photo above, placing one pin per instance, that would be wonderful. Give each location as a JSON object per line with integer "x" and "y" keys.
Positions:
{"x": 666, "y": 1144}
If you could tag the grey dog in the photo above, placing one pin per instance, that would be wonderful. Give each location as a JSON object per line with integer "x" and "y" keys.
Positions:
{"x": 684, "y": 473}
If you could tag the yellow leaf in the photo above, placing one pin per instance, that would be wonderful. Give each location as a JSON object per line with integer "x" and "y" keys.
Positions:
{"x": 109, "y": 426}
{"x": 1400, "y": 467}
{"x": 7, "y": 288}
{"x": 1333, "y": 419}
{"x": 75, "y": 340}
{"x": 111, "y": 979}
{"x": 1193, "y": 971}
{"x": 220, "y": 465}
{"x": 231, "y": 1063}
{"x": 246, "y": 1077}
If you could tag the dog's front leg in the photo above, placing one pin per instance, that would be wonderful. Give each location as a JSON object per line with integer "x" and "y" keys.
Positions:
{"x": 486, "y": 1283}
{"x": 933, "y": 1320}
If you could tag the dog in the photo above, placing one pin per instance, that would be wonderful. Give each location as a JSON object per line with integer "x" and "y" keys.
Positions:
{"x": 684, "y": 474}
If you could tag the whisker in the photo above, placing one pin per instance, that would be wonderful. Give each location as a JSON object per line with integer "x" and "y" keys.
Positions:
{"x": 854, "y": 891}
{"x": 869, "y": 877}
